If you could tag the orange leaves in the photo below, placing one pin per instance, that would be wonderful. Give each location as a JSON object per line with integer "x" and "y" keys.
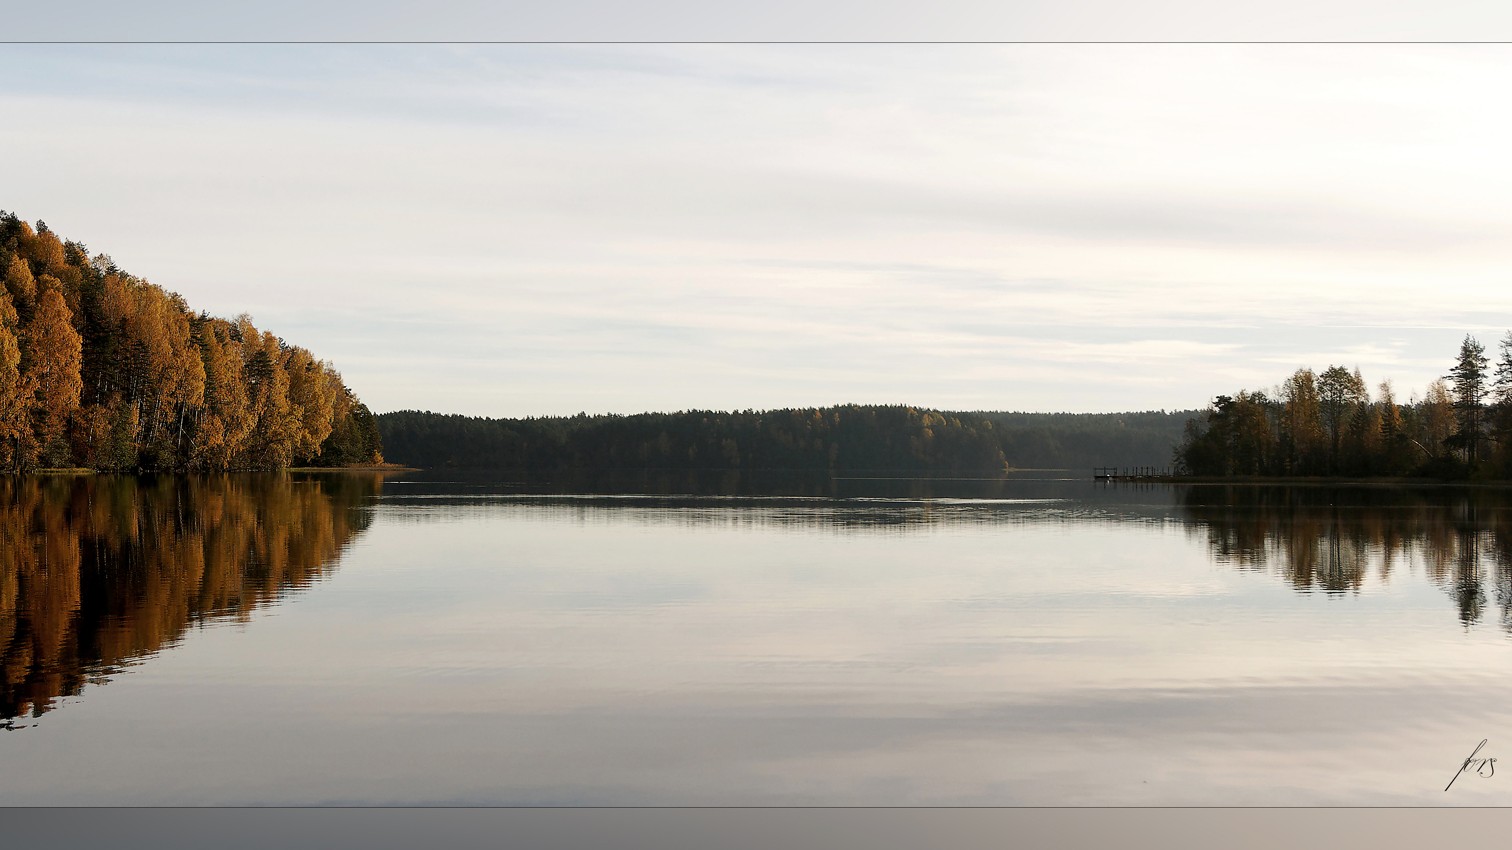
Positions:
{"x": 109, "y": 370}
{"x": 51, "y": 358}
{"x": 12, "y": 406}
{"x": 20, "y": 284}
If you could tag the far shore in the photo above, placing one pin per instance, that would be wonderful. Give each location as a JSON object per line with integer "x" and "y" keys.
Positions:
{"x": 366, "y": 467}
{"x": 1248, "y": 480}
{"x": 1315, "y": 480}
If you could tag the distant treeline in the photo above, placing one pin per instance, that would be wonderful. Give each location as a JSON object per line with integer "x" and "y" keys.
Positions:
{"x": 1084, "y": 440}
{"x": 830, "y": 439}
{"x": 1328, "y": 424}
{"x": 104, "y": 370}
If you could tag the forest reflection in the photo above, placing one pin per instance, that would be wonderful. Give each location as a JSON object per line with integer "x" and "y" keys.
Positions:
{"x": 736, "y": 484}
{"x": 99, "y": 571}
{"x": 1332, "y": 539}
{"x": 779, "y": 499}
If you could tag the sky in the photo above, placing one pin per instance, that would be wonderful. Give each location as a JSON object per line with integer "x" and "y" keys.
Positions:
{"x": 543, "y": 229}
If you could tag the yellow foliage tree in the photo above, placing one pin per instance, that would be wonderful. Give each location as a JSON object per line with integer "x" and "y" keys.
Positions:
{"x": 1438, "y": 421}
{"x": 21, "y": 286}
{"x": 226, "y": 419}
{"x": 313, "y": 390}
{"x": 172, "y": 374}
{"x": 103, "y": 368}
{"x": 12, "y": 404}
{"x": 271, "y": 444}
{"x": 45, "y": 250}
{"x": 51, "y": 358}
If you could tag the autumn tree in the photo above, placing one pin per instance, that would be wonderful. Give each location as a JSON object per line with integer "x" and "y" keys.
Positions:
{"x": 271, "y": 444}
{"x": 116, "y": 373}
{"x": 51, "y": 355}
{"x": 226, "y": 419}
{"x": 167, "y": 374}
{"x": 13, "y": 419}
{"x": 313, "y": 389}
{"x": 1339, "y": 392}
{"x": 1436, "y": 423}
{"x": 45, "y": 251}
{"x": 1301, "y": 429}
{"x": 21, "y": 287}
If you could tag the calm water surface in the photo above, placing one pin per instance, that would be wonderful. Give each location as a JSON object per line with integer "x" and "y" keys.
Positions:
{"x": 447, "y": 639}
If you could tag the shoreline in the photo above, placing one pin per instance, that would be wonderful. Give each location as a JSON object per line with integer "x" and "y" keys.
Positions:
{"x": 386, "y": 467}
{"x": 1317, "y": 481}
{"x": 368, "y": 467}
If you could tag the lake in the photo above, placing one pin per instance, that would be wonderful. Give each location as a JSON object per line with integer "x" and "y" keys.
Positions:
{"x": 452, "y": 639}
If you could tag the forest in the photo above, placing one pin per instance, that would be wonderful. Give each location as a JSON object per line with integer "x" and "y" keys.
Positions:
{"x": 103, "y": 370}
{"x": 1329, "y": 424}
{"x": 846, "y": 438}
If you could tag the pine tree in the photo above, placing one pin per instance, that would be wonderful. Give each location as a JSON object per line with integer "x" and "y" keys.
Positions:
{"x": 1501, "y": 409}
{"x": 1501, "y": 388}
{"x": 1469, "y": 377}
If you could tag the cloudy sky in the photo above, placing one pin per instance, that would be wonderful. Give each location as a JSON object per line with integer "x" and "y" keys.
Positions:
{"x": 512, "y": 230}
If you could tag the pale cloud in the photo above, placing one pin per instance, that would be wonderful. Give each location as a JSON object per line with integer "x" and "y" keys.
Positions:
{"x": 518, "y": 230}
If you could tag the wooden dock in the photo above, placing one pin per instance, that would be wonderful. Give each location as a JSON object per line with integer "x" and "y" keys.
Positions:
{"x": 1129, "y": 473}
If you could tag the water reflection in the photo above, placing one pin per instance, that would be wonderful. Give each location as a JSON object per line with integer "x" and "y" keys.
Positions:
{"x": 900, "y": 643}
{"x": 97, "y": 572}
{"x": 1332, "y": 539}
{"x": 771, "y": 483}
{"x": 776, "y": 499}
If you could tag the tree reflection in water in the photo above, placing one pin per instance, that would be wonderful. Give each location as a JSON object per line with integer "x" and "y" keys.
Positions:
{"x": 1330, "y": 538}
{"x": 99, "y": 571}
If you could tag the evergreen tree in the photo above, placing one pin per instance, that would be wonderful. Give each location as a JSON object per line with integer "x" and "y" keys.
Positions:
{"x": 1501, "y": 409}
{"x": 1469, "y": 378}
{"x": 1501, "y": 388}
{"x": 1396, "y": 447}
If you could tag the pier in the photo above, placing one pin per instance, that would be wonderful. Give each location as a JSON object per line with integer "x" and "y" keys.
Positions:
{"x": 1129, "y": 473}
